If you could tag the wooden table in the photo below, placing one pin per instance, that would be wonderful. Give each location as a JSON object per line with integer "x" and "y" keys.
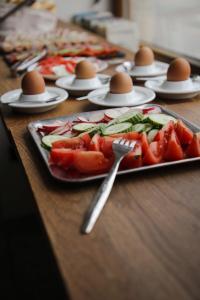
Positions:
{"x": 146, "y": 243}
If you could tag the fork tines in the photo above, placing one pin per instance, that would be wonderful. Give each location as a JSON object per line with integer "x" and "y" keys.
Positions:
{"x": 124, "y": 142}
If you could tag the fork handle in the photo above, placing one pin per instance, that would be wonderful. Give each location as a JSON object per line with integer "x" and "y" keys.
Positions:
{"x": 100, "y": 199}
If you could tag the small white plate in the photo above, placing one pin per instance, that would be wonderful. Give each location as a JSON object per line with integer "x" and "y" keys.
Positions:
{"x": 139, "y": 95}
{"x": 12, "y": 99}
{"x": 171, "y": 91}
{"x": 99, "y": 64}
{"x": 156, "y": 69}
{"x": 84, "y": 88}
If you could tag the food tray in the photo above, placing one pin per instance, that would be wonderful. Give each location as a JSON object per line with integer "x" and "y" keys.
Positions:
{"x": 61, "y": 175}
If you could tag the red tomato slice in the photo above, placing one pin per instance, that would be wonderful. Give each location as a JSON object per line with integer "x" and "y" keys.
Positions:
{"x": 133, "y": 135}
{"x": 70, "y": 68}
{"x": 71, "y": 143}
{"x": 86, "y": 139}
{"x": 62, "y": 157}
{"x": 133, "y": 159}
{"x": 185, "y": 135}
{"x": 144, "y": 142}
{"x": 95, "y": 143}
{"x": 106, "y": 145}
{"x": 153, "y": 154}
{"x": 173, "y": 149}
{"x": 91, "y": 162}
{"x": 193, "y": 149}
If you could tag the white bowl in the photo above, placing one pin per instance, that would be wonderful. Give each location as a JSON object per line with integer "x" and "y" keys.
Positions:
{"x": 177, "y": 85}
{"x": 37, "y": 97}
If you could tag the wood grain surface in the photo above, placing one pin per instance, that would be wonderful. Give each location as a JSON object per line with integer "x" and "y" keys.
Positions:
{"x": 146, "y": 243}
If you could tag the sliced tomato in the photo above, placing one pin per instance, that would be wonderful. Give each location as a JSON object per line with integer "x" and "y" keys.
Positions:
{"x": 71, "y": 143}
{"x": 185, "y": 135}
{"x": 168, "y": 128}
{"x": 173, "y": 150}
{"x": 152, "y": 155}
{"x": 94, "y": 143}
{"x": 106, "y": 145}
{"x": 144, "y": 142}
{"x": 159, "y": 136}
{"x": 62, "y": 157}
{"x": 133, "y": 159}
{"x": 193, "y": 149}
{"x": 86, "y": 139}
{"x": 133, "y": 135}
{"x": 163, "y": 136}
{"x": 91, "y": 162}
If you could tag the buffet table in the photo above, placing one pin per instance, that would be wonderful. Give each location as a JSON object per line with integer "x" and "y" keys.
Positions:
{"x": 146, "y": 242}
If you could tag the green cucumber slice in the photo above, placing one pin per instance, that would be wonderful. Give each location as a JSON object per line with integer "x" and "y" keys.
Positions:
{"x": 151, "y": 135}
{"x": 117, "y": 128}
{"x": 160, "y": 119}
{"x": 47, "y": 140}
{"x": 148, "y": 127}
{"x": 84, "y": 127}
{"x": 132, "y": 116}
{"x": 139, "y": 127}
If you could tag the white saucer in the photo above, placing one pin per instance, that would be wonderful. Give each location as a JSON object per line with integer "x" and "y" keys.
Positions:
{"x": 174, "y": 90}
{"x": 100, "y": 65}
{"x": 156, "y": 69}
{"x": 81, "y": 86}
{"x": 12, "y": 99}
{"x": 138, "y": 96}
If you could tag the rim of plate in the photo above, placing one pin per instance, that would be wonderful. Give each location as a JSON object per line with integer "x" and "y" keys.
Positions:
{"x": 155, "y": 86}
{"x": 60, "y": 92}
{"x": 138, "y": 89}
{"x": 61, "y": 83}
{"x": 159, "y": 65}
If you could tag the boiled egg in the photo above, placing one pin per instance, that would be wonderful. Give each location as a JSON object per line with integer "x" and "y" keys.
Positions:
{"x": 144, "y": 57}
{"x": 121, "y": 83}
{"x": 33, "y": 83}
{"x": 85, "y": 70}
{"x": 179, "y": 70}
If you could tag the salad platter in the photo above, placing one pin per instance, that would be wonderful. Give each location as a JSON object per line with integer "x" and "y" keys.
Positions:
{"x": 78, "y": 148}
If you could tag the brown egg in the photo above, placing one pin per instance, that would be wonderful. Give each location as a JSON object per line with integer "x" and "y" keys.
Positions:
{"x": 144, "y": 57}
{"x": 33, "y": 83}
{"x": 85, "y": 70}
{"x": 179, "y": 70}
{"x": 121, "y": 83}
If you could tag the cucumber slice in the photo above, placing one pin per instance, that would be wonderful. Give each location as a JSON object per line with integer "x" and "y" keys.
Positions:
{"x": 151, "y": 135}
{"x": 132, "y": 116}
{"x": 117, "y": 128}
{"x": 47, "y": 140}
{"x": 148, "y": 127}
{"x": 160, "y": 119}
{"x": 145, "y": 118}
{"x": 81, "y": 127}
{"x": 139, "y": 127}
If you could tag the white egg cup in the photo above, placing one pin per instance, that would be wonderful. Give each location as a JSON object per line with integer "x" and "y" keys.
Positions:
{"x": 147, "y": 69}
{"x": 118, "y": 97}
{"x": 177, "y": 85}
{"x": 36, "y": 98}
{"x": 92, "y": 83}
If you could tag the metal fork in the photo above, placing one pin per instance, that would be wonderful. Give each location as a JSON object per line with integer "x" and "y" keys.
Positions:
{"x": 120, "y": 147}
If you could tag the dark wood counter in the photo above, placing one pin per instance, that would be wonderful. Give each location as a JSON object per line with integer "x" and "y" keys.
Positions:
{"x": 147, "y": 240}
